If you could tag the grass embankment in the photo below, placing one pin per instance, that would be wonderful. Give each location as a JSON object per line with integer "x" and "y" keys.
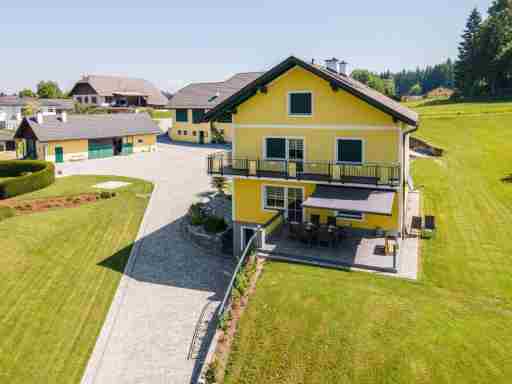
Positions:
{"x": 308, "y": 325}
{"x": 58, "y": 273}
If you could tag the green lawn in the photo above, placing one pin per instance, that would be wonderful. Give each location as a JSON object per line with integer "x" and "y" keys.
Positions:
{"x": 58, "y": 273}
{"x": 309, "y": 325}
{"x": 156, "y": 114}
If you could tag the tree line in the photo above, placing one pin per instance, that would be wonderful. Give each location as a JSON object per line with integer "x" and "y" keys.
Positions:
{"x": 484, "y": 64}
{"x": 409, "y": 82}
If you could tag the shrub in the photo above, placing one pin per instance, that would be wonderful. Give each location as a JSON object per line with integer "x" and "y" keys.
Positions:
{"x": 105, "y": 194}
{"x": 219, "y": 183}
{"x": 215, "y": 224}
{"x": 26, "y": 176}
{"x": 6, "y": 212}
{"x": 197, "y": 216}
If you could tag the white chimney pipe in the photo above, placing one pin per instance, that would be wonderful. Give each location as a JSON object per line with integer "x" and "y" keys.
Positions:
{"x": 332, "y": 64}
{"x": 342, "y": 68}
{"x": 64, "y": 116}
{"x": 39, "y": 118}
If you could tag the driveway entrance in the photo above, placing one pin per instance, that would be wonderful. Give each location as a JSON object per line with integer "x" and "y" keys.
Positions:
{"x": 147, "y": 335}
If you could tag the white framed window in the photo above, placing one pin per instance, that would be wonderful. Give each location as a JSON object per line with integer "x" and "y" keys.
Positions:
{"x": 274, "y": 197}
{"x": 350, "y": 215}
{"x": 288, "y": 199}
{"x": 349, "y": 150}
{"x": 300, "y": 104}
{"x": 283, "y": 148}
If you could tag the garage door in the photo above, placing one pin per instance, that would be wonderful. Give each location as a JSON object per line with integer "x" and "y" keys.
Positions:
{"x": 127, "y": 148}
{"x": 100, "y": 149}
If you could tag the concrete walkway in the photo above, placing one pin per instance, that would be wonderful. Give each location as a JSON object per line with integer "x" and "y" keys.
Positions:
{"x": 149, "y": 328}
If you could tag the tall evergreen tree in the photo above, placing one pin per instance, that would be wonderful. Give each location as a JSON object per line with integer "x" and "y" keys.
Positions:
{"x": 496, "y": 46}
{"x": 467, "y": 65}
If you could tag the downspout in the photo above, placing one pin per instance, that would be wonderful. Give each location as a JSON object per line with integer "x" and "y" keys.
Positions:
{"x": 404, "y": 181}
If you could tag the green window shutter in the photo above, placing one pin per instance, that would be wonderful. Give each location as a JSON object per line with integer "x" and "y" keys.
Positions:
{"x": 350, "y": 151}
{"x": 275, "y": 148}
{"x": 182, "y": 115}
{"x": 197, "y": 116}
{"x": 301, "y": 103}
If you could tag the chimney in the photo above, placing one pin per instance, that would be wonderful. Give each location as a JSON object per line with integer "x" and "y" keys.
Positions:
{"x": 39, "y": 117}
{"x": 332, "y": 64}
{"x": 64, "y": 116}
{"x": 342, "y": 68}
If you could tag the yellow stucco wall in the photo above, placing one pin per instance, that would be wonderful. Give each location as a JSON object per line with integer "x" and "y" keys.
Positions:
{"x": 144, "y": 140}
{"x": 249, "y": 206}
{"x": 320, "y": 144}
{"x": 329, "y": 107}
{"x": 189, "y": 128}
{"x": 335, "y": 115}
{"x": 69, "y": 146}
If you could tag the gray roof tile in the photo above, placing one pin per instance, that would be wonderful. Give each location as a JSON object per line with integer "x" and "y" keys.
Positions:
{"x": 208, "y": 95}
{"x": 109, "y": 85}
{"x": 92, "y": 126}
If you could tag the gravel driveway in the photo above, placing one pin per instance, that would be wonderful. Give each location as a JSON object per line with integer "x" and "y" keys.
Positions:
{"x": 148, "y": 332}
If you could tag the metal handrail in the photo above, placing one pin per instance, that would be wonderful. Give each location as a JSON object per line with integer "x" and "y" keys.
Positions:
{"x": 246, "y": 252}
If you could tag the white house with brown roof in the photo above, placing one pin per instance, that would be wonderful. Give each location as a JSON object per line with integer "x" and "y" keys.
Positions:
{"x": 115, "y": 91}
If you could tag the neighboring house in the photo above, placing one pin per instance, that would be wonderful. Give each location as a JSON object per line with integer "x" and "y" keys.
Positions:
{"x": 7, "y": 140}
{"x": 53, "y": 107}
{"x": 79, "y": 137}
{"x": 314, "y": 143}
{"x": 440, "y": 92}
{"x": 190, "y": 104}
{"x": 114, "y": 91}
{"x": 11, "y": 108}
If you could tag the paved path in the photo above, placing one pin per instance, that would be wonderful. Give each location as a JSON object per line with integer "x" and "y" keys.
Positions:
{"x": 167, "y": 283}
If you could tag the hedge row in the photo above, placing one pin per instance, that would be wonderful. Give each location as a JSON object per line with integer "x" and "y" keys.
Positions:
{"x": 25, "y": 176}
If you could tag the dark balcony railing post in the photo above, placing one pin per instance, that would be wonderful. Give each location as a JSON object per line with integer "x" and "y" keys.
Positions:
{"x": 222, "y": 166}
{"x": 287, "y": 170}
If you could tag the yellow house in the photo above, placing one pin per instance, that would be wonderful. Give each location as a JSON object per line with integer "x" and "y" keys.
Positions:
{"x": 190, "y": 104}
{"x": 80, "y": 137}
{"x": 311, "y": 142}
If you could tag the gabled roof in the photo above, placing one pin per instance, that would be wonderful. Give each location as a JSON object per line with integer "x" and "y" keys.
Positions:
{"x": 346, "y": 83}
{"x": 90, "y": 126}
{"x": 208, "y": 95}
{"x": 22, "y": 101}
{"x": 110, "y": 85}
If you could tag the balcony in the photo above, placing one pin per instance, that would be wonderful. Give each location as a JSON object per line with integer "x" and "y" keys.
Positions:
{"x": 223, "y": 164}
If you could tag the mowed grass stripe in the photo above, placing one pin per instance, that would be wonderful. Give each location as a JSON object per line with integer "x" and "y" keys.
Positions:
{"x": 58, "y": 291}
{"x": 307, "y": 325}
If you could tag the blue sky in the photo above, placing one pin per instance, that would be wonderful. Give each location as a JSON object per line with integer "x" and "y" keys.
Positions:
{"x": 173, "y": 43}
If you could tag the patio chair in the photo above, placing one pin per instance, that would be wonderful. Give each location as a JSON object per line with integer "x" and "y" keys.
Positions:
{"x": 326, "y": 237}
{"x": 307, "y": 235}
{"x": 315, "y": 220}
{"x": 294, "y": 231}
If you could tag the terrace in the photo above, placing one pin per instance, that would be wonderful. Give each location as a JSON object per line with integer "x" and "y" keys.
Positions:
{"x": 224, "y": 164}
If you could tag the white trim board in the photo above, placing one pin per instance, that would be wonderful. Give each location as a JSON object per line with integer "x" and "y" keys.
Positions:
{"x": 343, "y": 127}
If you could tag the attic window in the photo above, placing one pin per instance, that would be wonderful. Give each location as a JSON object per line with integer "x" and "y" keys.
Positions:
{"x": 300, "y": 104}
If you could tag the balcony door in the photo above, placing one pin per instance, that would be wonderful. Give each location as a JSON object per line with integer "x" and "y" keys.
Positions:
{"x": 285, "y": 149}
{"x": 294, "y": 209}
